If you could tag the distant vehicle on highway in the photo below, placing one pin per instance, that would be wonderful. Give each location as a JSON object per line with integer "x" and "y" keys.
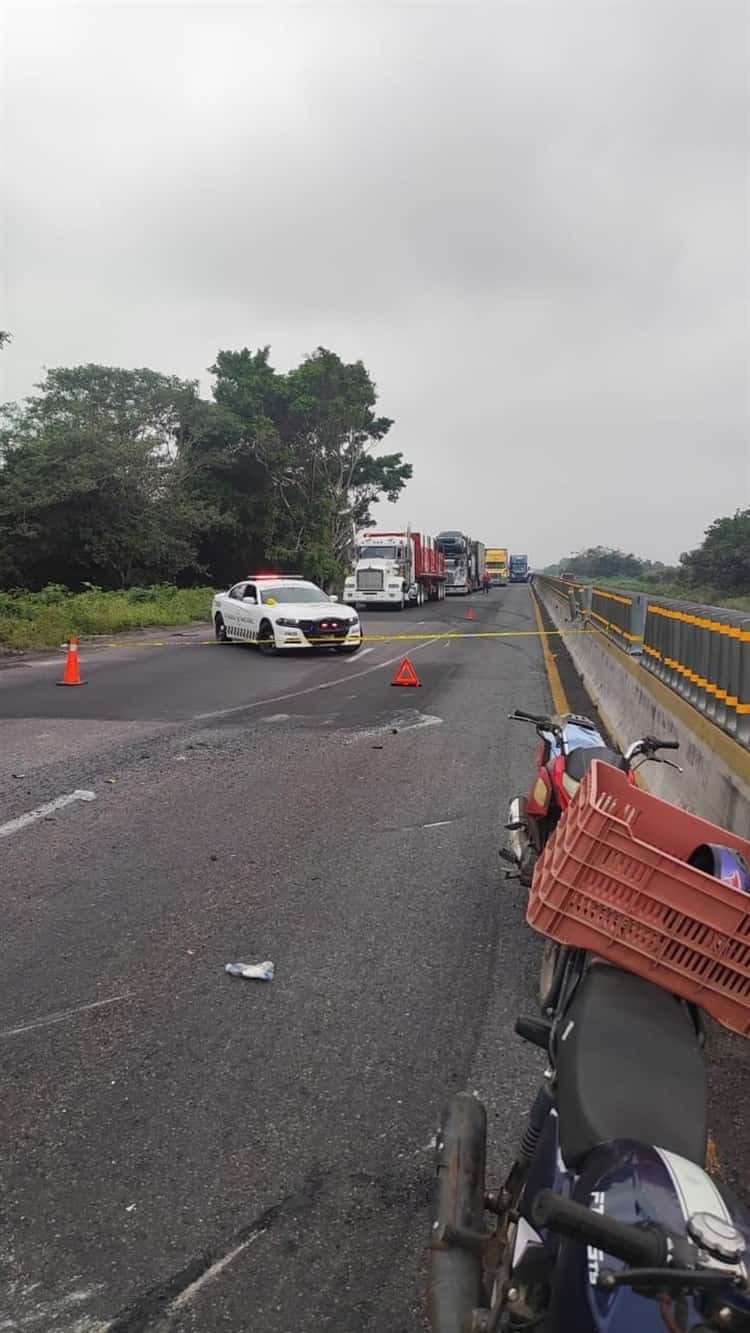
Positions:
{"x": 464, "y": 562}
{"x": 497, "y": 564}
{"x": 519, "y": 568}
{"x": 282, "y": 611}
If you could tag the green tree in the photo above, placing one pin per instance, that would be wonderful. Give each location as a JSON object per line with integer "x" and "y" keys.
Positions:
{"x": 602, "y": 562}
{"x": 93, "y": 479}
{"x": 312, "y": 431}
{"x": 722, "y": 561}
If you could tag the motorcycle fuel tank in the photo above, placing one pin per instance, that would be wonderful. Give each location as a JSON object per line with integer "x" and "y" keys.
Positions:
{"x": 634, "y": 1183}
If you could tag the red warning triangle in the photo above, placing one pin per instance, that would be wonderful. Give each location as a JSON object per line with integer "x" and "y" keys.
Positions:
{"x": 406, "y": 675}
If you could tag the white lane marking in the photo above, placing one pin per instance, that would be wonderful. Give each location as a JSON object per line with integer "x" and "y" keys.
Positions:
{"x": 42, "y": 811}
{"x": 276, "y": 717}
{"x": 186, "y": 1296}
{"x": 411, "y": 720}
{"x": 440, "y": 823}
{"x": 311, "y": 689}
{"x": 362, "y": 653}
{"x": 62, "y": 1015}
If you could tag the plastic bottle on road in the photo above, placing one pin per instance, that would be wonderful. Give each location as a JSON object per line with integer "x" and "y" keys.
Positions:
{"x": 254, "y": 971}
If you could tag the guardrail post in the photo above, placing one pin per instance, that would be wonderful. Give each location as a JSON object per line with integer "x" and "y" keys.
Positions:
{"x": 723, "y": 659}
{"x": 736, "y": 698}
{"x": 638, "y": 608}
{"x": 743, "y": 691}
{"x": 713, "y": 664}
{"x": 690, "y": 656}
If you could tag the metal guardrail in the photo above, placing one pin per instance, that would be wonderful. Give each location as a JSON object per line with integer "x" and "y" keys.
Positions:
{"x": 701, "y": 652}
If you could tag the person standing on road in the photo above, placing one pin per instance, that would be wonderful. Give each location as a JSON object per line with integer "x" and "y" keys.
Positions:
{"x": 486, "y": 580}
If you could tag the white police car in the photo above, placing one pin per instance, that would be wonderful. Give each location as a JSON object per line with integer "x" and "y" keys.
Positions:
{"x": 278, "y": 611}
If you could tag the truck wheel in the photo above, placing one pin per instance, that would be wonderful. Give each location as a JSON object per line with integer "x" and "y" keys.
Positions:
{"x": 402, "y": 603}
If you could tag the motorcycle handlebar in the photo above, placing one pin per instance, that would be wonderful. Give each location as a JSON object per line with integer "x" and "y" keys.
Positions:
{"x": 653, "y": 743}
{"x": 518, "y": 715}
{"x": 641, "y": 1247}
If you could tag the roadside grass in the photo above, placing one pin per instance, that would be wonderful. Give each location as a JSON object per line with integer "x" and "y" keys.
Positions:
{"x": 48, "y": 618}
{"x": 702, "y": 596}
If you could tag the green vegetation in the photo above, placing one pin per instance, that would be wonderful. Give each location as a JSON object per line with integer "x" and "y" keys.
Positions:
{"x": 716, "y": 573}
{"x": 46, "y": 619}
{"x": 129, "y": 478}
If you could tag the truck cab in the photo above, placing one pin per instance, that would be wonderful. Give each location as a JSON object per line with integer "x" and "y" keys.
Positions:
{"x": 383, "y": 573}
{"x": 496, "y": 560}
{"x": 519, "y": 568}
{"x": 456, "y": 548}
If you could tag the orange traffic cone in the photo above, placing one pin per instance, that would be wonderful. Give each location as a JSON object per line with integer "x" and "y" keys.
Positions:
{"x": 406, "y": 675}
{"x": 72, "y": 672}
{"x": 470, "y": 613}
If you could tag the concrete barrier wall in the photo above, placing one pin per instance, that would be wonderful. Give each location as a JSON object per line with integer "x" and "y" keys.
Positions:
{"x": 633, "y": 703}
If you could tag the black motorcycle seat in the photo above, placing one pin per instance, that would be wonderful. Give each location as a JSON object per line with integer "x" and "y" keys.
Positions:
{"x": 578, "y": 762}
{"x": 629, "y": 1066}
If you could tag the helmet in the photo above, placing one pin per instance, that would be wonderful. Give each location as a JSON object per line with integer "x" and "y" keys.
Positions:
{"x": 722, "y": 863}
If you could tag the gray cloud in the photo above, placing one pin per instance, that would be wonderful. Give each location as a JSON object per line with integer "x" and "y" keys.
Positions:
{"x": 530, "y": 221}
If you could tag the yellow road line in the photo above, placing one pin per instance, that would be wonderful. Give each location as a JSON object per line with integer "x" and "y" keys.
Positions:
{"x": 557, "y": 690}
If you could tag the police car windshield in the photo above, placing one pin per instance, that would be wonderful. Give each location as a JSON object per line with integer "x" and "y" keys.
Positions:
{"x": 292, "y": 592}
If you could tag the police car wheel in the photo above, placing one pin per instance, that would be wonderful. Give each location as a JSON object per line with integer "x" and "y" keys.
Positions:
{"x": 220, "y": 630}
{"x": 347, "y": 648}
{"x": 266, "y": 640}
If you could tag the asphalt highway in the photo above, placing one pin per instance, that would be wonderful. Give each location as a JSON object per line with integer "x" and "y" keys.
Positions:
{"x": 185, "y": 1150}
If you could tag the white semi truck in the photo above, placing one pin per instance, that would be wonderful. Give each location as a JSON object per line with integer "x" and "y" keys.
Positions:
{"x": 396, "y": 569}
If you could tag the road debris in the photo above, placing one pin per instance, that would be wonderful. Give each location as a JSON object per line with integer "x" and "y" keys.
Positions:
{"x": 254, "y": 971}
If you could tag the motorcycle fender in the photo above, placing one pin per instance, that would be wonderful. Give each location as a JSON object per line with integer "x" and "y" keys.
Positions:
{"x": 539, "y": 797}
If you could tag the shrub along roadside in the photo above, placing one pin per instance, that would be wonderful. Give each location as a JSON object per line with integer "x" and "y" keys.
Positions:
{"x": 46, "y": 619}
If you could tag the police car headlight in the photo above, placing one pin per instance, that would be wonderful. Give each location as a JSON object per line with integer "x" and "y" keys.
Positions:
{"x": 286, "y": 621}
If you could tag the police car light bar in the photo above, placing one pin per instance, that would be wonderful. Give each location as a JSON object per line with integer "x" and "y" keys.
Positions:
{"x": 266, "y": 575}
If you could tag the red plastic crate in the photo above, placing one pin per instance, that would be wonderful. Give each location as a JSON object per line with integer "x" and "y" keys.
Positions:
{"x": 613, "y": 879}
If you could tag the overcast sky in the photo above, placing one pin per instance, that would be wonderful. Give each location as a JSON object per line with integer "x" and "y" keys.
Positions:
{"x": 529, "y": 220}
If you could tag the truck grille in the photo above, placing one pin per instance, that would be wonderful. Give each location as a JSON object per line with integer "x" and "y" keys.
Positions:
{"x": 370, "y": 580}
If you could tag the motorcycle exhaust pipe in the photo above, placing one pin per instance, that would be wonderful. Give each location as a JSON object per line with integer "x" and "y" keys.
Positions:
{"x": 516, "y": 829}
{"x": 455, "y": 1270}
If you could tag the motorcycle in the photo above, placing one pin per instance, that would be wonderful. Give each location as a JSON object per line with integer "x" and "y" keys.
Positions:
{"x": 595, "y": 1229}
{"x": 569, "y": 745}
{"x": 607, "y": 1221}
